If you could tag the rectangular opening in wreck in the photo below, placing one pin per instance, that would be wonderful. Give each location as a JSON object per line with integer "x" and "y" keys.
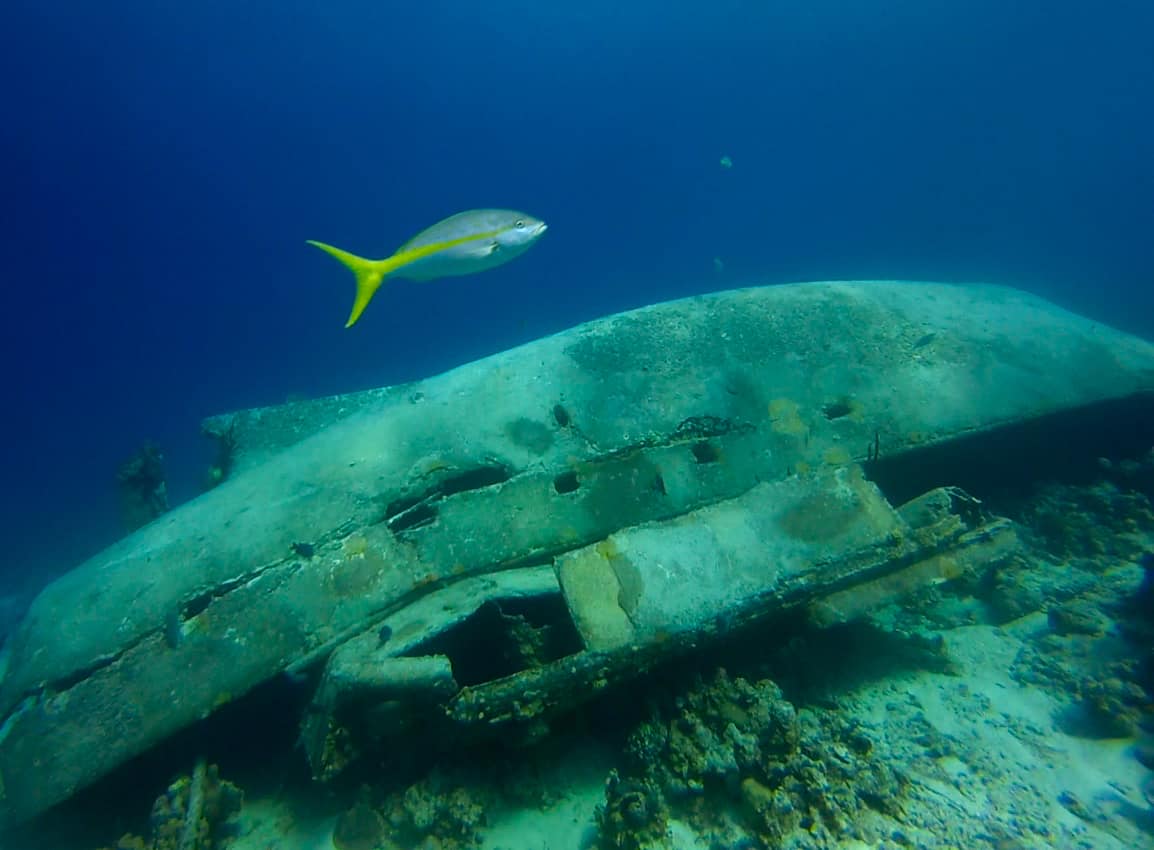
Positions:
{"x": 504, "y": 637}
{"x": 1002, "y": 465}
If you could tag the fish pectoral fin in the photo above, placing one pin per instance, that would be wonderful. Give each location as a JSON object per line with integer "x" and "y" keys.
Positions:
{"x": 482, "y": 249}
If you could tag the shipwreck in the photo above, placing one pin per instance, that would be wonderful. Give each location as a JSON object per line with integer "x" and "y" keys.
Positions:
{"x": 499, "y": 543}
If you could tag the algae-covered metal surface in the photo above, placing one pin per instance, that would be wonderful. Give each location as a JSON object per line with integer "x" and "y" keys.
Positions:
{"x": 714, "y": 440}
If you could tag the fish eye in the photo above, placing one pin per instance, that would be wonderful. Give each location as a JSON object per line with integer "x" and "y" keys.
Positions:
{"x": 519, "y": 224}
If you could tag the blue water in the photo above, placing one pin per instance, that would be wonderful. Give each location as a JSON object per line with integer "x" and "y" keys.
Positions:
{"x": 164, "y": 162}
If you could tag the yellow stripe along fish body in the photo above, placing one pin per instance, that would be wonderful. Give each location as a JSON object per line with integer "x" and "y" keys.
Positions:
{"x": 464, "y": 243}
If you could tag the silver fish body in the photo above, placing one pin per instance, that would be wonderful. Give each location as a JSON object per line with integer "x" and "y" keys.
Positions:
{"x": 465, "y": 243}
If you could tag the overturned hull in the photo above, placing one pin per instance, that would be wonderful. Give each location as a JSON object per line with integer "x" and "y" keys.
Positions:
{"x": 648, "y": 481}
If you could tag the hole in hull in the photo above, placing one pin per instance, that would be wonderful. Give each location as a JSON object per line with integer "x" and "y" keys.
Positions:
{"x": 566, "y": 482}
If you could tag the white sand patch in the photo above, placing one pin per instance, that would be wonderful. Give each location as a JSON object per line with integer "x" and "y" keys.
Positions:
{"x": 569, "y": 823}
{"x": 1007, "y": 771}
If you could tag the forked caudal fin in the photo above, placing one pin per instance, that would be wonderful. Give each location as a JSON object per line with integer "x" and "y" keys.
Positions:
{"x": 369, "y": 274}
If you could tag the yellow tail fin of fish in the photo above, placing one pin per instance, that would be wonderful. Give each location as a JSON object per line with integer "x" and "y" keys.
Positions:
{"x": 369, "y": 275}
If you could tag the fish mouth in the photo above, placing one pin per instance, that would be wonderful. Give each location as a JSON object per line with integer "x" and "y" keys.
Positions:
{"x": 540, "y": 228}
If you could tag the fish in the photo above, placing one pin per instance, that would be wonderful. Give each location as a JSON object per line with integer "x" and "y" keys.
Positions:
{"x": 465, "y": 243}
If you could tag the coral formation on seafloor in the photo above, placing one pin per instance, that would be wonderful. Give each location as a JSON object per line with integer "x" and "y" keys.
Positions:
{"x": 739, "y": 762}
{"x": 194, "y": 813}
{"x": 434, "y": 813}
{"x": 359, "y": 827}
{"x": 634, "y": 814}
